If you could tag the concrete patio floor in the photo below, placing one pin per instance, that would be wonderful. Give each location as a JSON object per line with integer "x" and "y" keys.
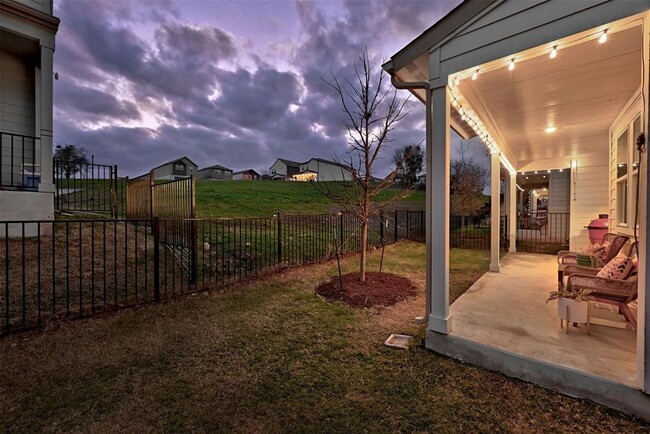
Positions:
{"x": 508, "y": 311}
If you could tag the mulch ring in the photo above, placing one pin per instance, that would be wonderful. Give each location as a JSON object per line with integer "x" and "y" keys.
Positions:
{"x": 379, "y": 289}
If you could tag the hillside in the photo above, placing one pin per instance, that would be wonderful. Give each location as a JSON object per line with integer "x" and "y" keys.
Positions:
{"x": 221, "y": 199}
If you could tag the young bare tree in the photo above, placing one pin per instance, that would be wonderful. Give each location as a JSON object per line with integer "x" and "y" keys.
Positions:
{"x": 467, "y": 179}
{"x": 372, "y": 110}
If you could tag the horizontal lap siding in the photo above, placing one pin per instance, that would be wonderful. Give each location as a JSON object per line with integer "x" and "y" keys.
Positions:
{"x": 590, "y": 199}
{"x": 17, "y": 95}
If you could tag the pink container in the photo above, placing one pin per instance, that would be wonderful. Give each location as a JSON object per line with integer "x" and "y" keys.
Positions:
{"x": 598, "y": 228}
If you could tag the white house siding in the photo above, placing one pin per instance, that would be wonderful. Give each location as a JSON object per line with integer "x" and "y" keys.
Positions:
{"x": 589, "y": 196}
{"x": 558, "y": 192}
{"x": 327, "y": 171}
{"x": 278, "y": 168}
{"x": 44, "y": 6}
{"x": 17, "y": 95}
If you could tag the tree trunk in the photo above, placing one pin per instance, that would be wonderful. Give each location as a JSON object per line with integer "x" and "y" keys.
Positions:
{"x": 364, "y": 250}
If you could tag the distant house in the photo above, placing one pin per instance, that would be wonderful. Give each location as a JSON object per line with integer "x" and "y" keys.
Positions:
{"x": 176, "y": 169}
{"x": 215, "y": 172}
{"x": 245, "y": 175}
{"x": 284, "y": 169}
{"x": 318, "y": 169}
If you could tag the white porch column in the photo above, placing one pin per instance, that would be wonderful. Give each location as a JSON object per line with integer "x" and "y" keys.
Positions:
{"x": 46, "y": 108}
{"x": 643, "y": 300}
{"x": 512, "y": 212}
{"x": 438, "y": 214}
{"x": 495, "y": 212}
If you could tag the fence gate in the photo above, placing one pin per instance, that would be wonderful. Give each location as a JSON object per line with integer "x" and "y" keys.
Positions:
{"x": 88, "y": 187}
{"x": 173, "y": 203}
{"x": 543, "y": 232}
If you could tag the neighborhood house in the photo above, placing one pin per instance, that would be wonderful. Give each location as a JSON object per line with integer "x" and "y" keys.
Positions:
{"x": 245, "y": 175}
{"x": 175, "y": 169}
{"x": 558, "y": 93}
{"x": 27, "y": 35}
{"x": 216, "y": 172}
{"x": 284, "y": 169}
{"x": 318, "y": 169}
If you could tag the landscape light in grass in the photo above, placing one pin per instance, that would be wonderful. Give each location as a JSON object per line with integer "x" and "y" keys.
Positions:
{"x": 403, "y": 342}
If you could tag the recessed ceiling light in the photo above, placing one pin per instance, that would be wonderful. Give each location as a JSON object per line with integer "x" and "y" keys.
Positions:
{"x": 603, "y": 37}
{"x": 550, "y": 129}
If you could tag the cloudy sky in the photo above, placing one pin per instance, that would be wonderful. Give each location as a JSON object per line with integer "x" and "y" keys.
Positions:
{"x": 237, "y": 83}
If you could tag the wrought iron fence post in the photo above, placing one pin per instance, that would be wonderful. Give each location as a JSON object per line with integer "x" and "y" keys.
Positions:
{"x": 381, "y": 226}
{"x": 395, "y": 224}
{"x": 408, "y": 225}
{"x": 156, "y": 258}
{"x": 279, "y": 237}
{"x": 341, "y": 232}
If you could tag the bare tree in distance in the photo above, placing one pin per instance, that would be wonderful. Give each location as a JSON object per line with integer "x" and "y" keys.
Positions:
{"x": 71, "y": 158}
{"x": 467, "y": 180}
{"x": 371, "y": 112}
{"x": 408, "y": 162}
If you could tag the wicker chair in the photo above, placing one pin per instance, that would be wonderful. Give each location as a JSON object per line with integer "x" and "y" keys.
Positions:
{"x": 566, "y": 258}
{"x": 610, "y": 291}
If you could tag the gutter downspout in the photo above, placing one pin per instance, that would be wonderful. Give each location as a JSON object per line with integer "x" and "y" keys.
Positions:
{"x": 429, "y": 172}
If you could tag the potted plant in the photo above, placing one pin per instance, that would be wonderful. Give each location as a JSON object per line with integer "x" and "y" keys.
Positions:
{"x": 572, "y": 306}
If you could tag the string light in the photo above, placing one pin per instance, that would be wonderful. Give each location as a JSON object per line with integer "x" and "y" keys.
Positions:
{"x": 553, "y": 54}
{"x": 457, "y": 81}
{"x": 454, "y": 102}
{"x": 603, "y": 37}
{"x": 511, "y": 65}
{"x": 475, "y": 75}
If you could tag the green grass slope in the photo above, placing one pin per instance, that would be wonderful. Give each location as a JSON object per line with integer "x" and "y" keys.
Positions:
{"x": 223, "y": 199}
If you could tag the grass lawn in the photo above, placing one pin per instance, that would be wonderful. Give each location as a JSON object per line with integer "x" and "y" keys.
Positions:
{"x": 273, "y": 357}
{"x": 223, "y": 199}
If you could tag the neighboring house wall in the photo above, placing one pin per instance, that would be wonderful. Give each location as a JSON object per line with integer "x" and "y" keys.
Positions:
{"x": 326, "y": 171}
{"x": 245, "y": 176}
{"x": 44, "y": 6}
{"x": 27, "y": 39}
{"x": 169, "y": 172}
{"x": 214, "y": 173}
{"x": 278, "y": 168}
{"x": 17, "y": 95}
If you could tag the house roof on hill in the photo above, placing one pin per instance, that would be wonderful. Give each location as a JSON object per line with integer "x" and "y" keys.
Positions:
{"x": 333, "y": 163}
{"x": 216, "y": 166}
{"x": 289, "y": 163}
{"x": 246, "y": 171}
{"x": 173, "y": 161}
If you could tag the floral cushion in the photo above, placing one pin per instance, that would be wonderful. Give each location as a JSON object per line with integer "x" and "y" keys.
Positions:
{"x": 618, "y": 268}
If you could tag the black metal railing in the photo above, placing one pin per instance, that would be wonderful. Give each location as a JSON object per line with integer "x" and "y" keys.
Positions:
{"x": 20, "y": 158}
{"x": 543, "y": 232}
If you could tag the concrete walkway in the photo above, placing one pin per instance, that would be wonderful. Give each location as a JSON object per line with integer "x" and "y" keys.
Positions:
{"x": 508, "y": 311}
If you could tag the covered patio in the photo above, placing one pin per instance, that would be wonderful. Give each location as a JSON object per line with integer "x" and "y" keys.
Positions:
{"x": 558, "y": 94}
{"x": 507, "y": 311}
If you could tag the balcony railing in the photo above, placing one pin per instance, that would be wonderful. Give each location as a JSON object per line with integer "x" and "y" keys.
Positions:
{"x": 20, "y": 161}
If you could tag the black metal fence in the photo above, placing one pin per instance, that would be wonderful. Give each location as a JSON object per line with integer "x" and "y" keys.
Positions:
{"x": 89, "y": 187}
{"x": 20, "y": 166}
{"x": 75, "y": 268}
{"x": 543, "y": 232}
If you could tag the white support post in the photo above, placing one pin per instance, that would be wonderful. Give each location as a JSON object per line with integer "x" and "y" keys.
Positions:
{"x": 495, "y": 212}
{"x": 438, "y": 159}
{"x": 512, "y": 212}
{"x": 45, "y": 133}
{"x": 643, "y": 300}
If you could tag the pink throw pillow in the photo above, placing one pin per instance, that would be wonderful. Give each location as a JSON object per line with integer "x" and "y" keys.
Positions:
{"x": 618, "y": 268}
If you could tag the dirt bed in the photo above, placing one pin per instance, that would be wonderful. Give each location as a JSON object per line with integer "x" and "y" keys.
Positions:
{"x": 379, "y": 289}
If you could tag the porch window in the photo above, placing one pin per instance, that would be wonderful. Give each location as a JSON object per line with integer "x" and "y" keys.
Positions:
{"x": 627, "y": 171}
